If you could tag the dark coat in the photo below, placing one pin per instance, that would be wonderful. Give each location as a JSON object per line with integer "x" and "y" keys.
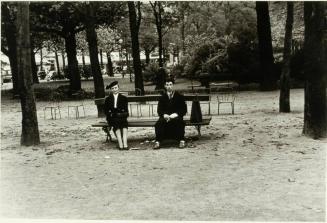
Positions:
{"x": 175, "y": 128}
{"x": 175, "y": 105}
{"x": 116, "y": 117}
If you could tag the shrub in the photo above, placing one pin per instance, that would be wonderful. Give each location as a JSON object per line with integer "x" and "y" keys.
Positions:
{"x": 244, "y": 63}
{"x": 150, "y": 72}
{"x": 85, "y": 71}
{"x": 177, "y": 70}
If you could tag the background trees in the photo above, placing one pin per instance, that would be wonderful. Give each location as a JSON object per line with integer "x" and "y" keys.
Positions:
{"x": 8, "y": 40}
{"x": 134, "y": 21}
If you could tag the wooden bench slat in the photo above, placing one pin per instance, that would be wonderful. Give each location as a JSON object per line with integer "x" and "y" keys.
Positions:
{"x": 150, "y": 122}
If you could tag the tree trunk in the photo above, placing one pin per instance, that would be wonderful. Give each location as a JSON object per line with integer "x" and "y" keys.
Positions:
{"x": 73, "y": 72}
{"x": 128, "y": 66}
{"x": 284, "y": 98}
{"x": 183, "y": 35}
{"x": 83, "y": 59}
{"x": 156, "y": 6}
{"x": 30, "y": 131}
{"x": 159, "y": 29}
{"x": 110, "y": 68}
{"x": 101, "y": 59}
{"x": 63, "y": 59}
{"x": 268, "y": 81}
{"x": 315, "y": 107}
{"x": 93, "y": 49}
{"x": 41, "y": 59}
{"x": 147, "y": 57}
{"x": 57, "y": 63}
{"x": 9, "y": 31}
{"x": 34, "y": 67}
{"x": 135, "y": 48}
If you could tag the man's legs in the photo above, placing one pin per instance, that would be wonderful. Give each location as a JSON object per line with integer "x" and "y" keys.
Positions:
{"x": 160, "y": 131}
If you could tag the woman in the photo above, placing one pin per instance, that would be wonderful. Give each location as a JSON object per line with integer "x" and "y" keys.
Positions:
{"x": 116, "y": 110}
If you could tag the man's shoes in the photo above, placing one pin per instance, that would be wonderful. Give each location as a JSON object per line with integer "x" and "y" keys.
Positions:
{"x": 156, "y": 145}
{"x": 182, "y": 144}
{"x": 126, "y": 148}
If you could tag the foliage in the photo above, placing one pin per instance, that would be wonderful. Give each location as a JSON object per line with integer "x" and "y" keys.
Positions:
{"x": 150, "y": 72}
{"x": 86, "y": 71}
{"x": 177, "y": 70}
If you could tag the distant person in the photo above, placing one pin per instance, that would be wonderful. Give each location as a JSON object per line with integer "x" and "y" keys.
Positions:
{"x": 116, "y": 110}
{"x": 171, "y": 110}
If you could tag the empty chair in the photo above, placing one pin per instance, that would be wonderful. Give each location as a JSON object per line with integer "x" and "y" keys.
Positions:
{"x": 54, "y": 108}
{"x": 76, "y": 107}
{"x": 226, "y": 97}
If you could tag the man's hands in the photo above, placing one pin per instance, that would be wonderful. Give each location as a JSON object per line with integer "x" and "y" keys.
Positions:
{"x": 168, "y": 117}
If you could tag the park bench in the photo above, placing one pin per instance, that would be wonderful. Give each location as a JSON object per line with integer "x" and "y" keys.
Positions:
{"x": 150, "y": 121}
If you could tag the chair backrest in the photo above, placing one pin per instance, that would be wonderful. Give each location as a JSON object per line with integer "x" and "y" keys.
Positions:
{"x": 226, "y": 96}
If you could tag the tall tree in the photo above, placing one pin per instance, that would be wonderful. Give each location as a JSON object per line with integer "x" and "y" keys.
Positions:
{"x": 30, "y": 130}
{"x": 93, "y": 49}
{"x": 157, "y": 12}
{"x": 284, "y": 98}
{"x": 8, "y": 34}
{"x": 61, "y": 18}
{"x": 108, "y": 41}
{"x": 268, "y": 81}
{"x": 134, "y": 22}
{"x": 315, "y": 35}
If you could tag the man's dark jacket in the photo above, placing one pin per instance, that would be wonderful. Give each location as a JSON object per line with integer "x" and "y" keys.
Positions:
{"x": 175, "y": 105}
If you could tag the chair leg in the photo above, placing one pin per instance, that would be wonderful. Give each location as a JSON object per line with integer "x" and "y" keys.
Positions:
{"x": 77, "y": 113}
{"x": 59, "y": 112}
{"x": 68, "y": 111}
{"x": 232, "y": 108}
{"x": 218, "y": 107}
{"x": 84, "y": 110}
{"x": 51, "y": 113}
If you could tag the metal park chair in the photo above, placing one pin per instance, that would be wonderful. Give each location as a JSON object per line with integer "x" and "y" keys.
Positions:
{"x": 226, "y": 97}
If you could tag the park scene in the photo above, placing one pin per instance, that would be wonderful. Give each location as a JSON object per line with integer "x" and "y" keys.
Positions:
{"x": 163, "y": 111}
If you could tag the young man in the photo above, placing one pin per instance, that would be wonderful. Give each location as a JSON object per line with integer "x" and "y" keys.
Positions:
{"x": 171, "y": 109}
{"x": 116, "y": 110}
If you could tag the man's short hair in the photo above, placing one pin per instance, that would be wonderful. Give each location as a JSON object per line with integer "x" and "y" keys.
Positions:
{"x": 169, "y": 80}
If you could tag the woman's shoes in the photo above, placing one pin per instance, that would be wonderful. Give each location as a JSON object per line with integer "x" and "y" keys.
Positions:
{"x": 123, "y": 148}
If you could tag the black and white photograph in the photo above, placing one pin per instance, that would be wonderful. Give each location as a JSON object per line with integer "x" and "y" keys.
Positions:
{"x": 163, "y": 111}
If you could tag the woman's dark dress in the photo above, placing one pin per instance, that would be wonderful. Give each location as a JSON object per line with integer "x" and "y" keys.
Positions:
{"x": 116, "y": 117}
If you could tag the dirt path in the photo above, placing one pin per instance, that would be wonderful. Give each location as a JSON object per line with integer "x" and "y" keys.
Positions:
{"x": 254, "y": 165}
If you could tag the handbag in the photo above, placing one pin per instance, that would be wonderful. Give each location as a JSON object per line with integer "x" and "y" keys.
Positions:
{"x": 196, "y": 113}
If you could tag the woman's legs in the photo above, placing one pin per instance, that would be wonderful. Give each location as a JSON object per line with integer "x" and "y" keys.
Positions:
{"x": 118, "y": 135}
{"x": 125, "y": 137}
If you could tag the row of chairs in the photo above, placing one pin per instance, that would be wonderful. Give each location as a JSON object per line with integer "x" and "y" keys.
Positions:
{"x": 73, "y": 110}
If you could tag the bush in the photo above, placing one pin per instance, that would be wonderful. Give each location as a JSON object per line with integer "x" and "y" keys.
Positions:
{"x": 85, "y": 71}
{"x": 61, "y": 93}
{"x": 244, "y": 63}
{"x": 177, "y": 70}
{"x": 150, "y": 72}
